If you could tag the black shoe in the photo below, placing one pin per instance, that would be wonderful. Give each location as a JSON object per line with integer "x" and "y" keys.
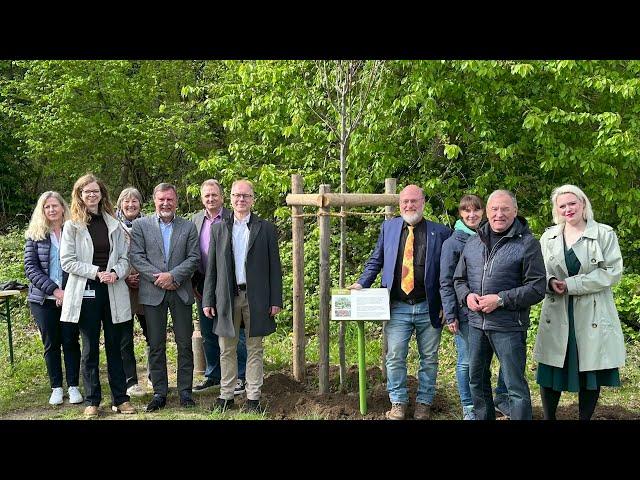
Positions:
{"x": 253, "y": 406}
{"x": 187, "y": 402}
{"x": 156, "y": 403}
{"x": 206, "y": 385}
{"x": 222, "y": 405}
{"x": 502, "y": 409}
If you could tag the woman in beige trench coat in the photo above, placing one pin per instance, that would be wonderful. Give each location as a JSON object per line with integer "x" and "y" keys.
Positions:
{"x": 579, "y": 345}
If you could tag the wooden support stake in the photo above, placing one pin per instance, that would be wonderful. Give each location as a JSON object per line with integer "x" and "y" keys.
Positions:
{"x": 389, "y": 188}
{"x": 325, "y": 299}
{"x": 297, "y": 233}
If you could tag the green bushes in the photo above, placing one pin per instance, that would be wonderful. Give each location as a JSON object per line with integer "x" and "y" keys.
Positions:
{"x": 627, "y": 296}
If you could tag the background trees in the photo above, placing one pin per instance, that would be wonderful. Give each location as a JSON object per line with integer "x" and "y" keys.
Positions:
{"x": 450, "y": 126}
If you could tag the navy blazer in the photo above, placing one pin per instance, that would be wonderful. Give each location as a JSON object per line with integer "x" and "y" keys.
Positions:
{"x": 386, "y": 252}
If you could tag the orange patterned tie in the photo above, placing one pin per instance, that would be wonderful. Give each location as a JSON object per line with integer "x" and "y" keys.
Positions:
{"x": 406, "y": 284}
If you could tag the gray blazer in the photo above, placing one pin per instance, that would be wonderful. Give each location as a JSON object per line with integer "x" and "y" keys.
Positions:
{"x": 264, "y": 277}
{"x": 147, "y": 257}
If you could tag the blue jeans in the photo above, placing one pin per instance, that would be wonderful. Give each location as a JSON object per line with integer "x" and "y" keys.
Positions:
{"x": 501, "y": 396}
{"x": 462, "y": 366}
{"x": 212, "y": 349}
{"x": 405, "y": 319}
{"x": 511, "y": 350}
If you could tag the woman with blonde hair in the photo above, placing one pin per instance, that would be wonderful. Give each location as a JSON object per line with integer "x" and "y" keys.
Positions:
{"x": 94, "y": 253}
{"x": 44, "y": 271}
{"x": 579, "y": 346}
{"x": 127, "y": 210}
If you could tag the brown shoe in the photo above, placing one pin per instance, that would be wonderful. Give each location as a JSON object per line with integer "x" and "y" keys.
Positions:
{"x": 91, "y": 411}
{"x": 397, "y": 411}
{"x": 124, "y": 407}
{"x": 422, "y": 411}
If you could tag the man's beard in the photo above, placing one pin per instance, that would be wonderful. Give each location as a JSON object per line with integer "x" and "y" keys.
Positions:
{"x": 413, "y": 217}
{"x": 166, "y": 215}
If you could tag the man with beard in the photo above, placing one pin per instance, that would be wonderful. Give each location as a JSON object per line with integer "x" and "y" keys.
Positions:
{"x": 408, "y": 253}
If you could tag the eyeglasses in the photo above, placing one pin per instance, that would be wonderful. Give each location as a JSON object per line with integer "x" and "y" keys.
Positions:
{"x": 245, "y": 196}
{"x": 91, "y": 192}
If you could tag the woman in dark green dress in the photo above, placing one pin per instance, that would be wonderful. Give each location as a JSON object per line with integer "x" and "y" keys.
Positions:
{"x": 579, "y": 346}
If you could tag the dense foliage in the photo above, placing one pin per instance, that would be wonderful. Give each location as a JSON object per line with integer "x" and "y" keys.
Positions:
{"x": 450, "y": 126}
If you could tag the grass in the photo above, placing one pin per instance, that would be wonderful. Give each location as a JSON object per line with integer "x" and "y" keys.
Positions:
{"x": 24, "y": 388}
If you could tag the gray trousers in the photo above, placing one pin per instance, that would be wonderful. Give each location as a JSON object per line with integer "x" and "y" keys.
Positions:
{"x": 157, "y": 330}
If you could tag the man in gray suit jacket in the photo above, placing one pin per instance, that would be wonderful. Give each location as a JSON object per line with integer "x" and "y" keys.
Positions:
{"x": 164, "y": 250}
{"x": 243, "y": 285}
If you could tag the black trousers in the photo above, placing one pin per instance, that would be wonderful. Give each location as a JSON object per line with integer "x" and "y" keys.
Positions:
{"x": 56, "y": 335}
{"x": 126, "y": 348}
{"x": 181, "y": 315}
{"x": 94, "y": 313}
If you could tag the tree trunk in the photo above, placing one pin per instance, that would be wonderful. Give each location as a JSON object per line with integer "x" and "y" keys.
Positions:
{"x": 297, "y": 232}
{"x": 344, "y": 148}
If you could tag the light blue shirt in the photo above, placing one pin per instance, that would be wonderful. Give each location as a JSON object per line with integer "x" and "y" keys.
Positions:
{"x": 240, "y": 238}
{"x": 166, "y": 229}
{"x": 55, "y": 267}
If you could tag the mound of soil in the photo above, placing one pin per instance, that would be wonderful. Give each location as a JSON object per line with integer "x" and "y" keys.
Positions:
{"x": 287, "y": 399}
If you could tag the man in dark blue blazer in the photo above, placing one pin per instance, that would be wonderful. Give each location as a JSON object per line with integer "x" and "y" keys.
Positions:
{"x": 408, "y": 253}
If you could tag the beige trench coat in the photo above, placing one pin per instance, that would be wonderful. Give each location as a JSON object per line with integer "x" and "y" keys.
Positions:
{"x": 597, "y": 326}
{"x": 76, "y": 255}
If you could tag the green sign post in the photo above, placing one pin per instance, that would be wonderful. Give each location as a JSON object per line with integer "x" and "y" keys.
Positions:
{"x": 362, "y": 369}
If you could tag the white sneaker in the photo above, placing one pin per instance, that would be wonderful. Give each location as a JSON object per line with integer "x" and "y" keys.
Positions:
{"x": 56, "y": 396}
{"x": 74, "y": 395}
{"x": 136, "y": 391}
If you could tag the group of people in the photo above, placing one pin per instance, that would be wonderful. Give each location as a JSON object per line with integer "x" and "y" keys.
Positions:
{"x": 480, "y": 281}
{"x": 91, "y": 268}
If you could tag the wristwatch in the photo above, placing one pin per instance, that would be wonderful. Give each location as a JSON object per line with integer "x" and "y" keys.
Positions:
{"x": 500, "y": 301}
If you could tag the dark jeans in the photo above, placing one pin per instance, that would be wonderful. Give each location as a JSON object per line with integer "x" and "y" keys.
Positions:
{"x": 212, "y": 349}
{"x": 511, "y": 350}
{"x": 94, "y": 312}
{"x": 126, "y": 348}
{"x": 183, "y": 330}
{"x": 56, "y": 334}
